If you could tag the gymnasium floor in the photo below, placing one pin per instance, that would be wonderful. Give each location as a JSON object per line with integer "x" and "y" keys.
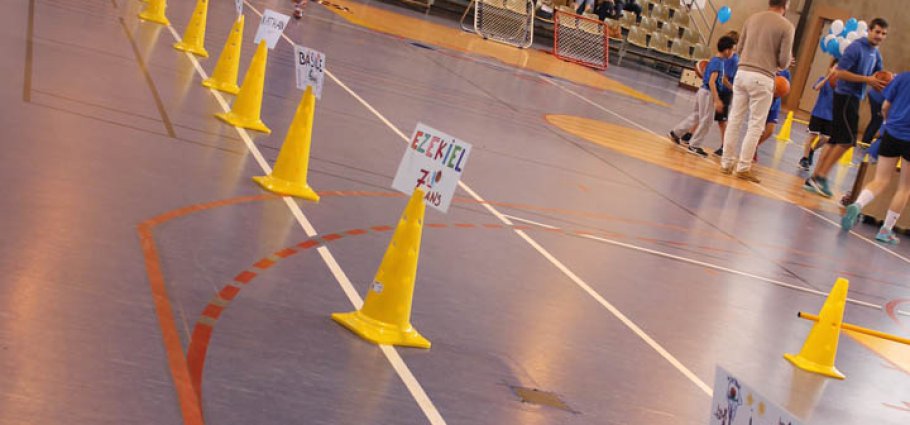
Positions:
{"x": 147, "y": 279}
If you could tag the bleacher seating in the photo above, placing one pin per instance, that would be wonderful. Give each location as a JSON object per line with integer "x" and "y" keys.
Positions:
{"x": 701, "y": 52}
{"x": 628, "y": 19}
{"x": 681, "y": 49}
{"x": 659, "y": 42}
{"x": 648, "y": 24}
{"x": 670, "y": 29}
{"x": 660, "y": 13}
{"x": 681, "y": 18}
{"x": 638, "y": 37}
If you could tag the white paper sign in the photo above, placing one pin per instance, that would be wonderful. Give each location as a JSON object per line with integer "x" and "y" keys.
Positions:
{"x": 433, "y": 162}
{"x": 310, "y": 69}
{"x": 271, "y": 26}
{"x": 735, "y": 403}
{"x": 239, "y": 5}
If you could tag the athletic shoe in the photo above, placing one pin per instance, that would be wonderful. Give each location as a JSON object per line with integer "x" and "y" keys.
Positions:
{"x": 747, "y": 176}
{"x": 817, "y": 186}
{"x": 804, "y": 163}
{"x": 850, "y": 217}
{"x": 698, "y": 151}
{"x": 686, "y": 138}
{"x": 887, "y": 238}
{"x": 726, "y": 170}
{"x": 719, "y": 151}
{"x": 675, "y": 138}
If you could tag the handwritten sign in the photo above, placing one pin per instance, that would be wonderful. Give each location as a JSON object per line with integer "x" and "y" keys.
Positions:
{"x": 310, "y": 69}
{"x": 735, "y": 403}
{"x": 239, "y": 5}
{"x": 271, "y": 26}
{"x": 433, "y": 162}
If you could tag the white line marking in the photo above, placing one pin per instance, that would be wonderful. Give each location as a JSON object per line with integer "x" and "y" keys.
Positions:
{"x": 524, "y": 220}
{"x": 391, "y": 354}
{"x": 619, "y": 315}
{"x": 777, "y": 195}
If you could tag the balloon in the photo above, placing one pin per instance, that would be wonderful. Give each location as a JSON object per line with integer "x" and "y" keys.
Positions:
{"x": 829, "y": 37}
{"x": 861, "y": 27}
{"x": 852, "y": 35}
{"x": 851, "y": 24}
{"x": 833, "y": 46}
{"x": 837, "y": 27}
{"x": 822, "y": 45}
{"x": 724, "y": 14}
{"x": 843, "y": 46}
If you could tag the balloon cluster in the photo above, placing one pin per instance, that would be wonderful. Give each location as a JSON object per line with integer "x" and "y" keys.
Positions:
{"x": 841, "y": 34}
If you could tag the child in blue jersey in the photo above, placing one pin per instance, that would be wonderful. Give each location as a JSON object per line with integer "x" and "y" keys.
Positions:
{"x": 707, "y": 100}
{"x": 773, "y": 114}
{"x": 895, "y": 143}
{"x": 822, "y": 113}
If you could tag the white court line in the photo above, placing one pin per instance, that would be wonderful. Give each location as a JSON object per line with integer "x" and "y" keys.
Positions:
{"x": 777, "y": 195}
{"x": 398, "y": 364}
{"x": 524, "y": 220}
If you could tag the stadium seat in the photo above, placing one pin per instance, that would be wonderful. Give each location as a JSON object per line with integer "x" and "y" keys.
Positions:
{"x": 681, "y": 18}
{"x": 648, "y": 24}
{"x": 638, "y": 37}
{"x": 627, "y": 20}
{"x": 701, "y": 52}
{"x": 660, "y": 13}
{"x": 659, "y": 42}
{"x": 592, "y": 26}
{"x": 670, "y": 29}
{"x": 681, "y": 49}
{"x": 691, "y": 35}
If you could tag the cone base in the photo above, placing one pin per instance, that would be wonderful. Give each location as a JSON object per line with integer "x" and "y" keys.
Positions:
{"x": 784, "y": 140}
{"x": 284, "y": 187}
{"x": 196, "y": 50}
{"x": 156, "y": 19}
{"x": 226, "y": 87}
{"x": 379, "y": 332}
{"x": 810, "y": 366}
{"x": 238, "y": 121}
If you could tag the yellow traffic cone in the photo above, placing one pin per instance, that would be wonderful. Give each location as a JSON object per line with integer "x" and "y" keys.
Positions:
{"x": 820, "y": 348}
{"x": 784, "y": 134}
{"x": 385, "y": 317}
{"x": 248, "y": 104}
{"x": 847, "y": 157}
{"x": 224, "y": 77}
{"x": 194, "y": 36}
{"x": 289, "y": 175}
{"x": 154, "y": 12}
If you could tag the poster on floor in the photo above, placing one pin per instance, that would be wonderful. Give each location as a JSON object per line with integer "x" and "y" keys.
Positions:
{"x": 433, "y": 162}
{"x": 735, "y": 403}
{"x": 270, "y": 28}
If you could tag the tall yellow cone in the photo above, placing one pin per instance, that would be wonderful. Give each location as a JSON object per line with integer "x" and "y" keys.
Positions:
{"x": 846, "y": 158}
{"x": 289, "y": 175}
{"x": 248, "y": 104}
{"x": 820, "y": 348}
{"x": 224, "y": 77}
{"x": 385, "y": 317}
{"x": 784, "y": 134}
{"x": 194, "y": 36}
{"x": 154, "y": 12}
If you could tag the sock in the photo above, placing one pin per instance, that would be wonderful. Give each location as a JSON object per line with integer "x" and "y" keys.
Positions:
{"x": 890, "y": 220}
{"x": 864, "y": 198}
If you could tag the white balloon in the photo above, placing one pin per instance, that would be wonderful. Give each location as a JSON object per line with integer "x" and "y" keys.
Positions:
{"x": 843, "y": 45}
{"x": 861, "y": 27}
{"x": 837, "y": 27}
{"x": 852, "y": 35}
{"x": 828, "y": 38}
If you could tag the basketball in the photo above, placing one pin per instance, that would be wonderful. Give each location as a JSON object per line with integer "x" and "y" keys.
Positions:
{"x": 884, "y": 76}
{"x": 781, "y": 86}
{"x": 700, "y": 68}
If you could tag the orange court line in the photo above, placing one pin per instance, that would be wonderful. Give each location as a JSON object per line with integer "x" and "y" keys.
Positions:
{"x": 406, "y": 27}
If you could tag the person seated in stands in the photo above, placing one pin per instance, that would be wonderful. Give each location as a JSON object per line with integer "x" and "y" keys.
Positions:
{"x": 603, "y": 8}
{"x": 629, "y": 5}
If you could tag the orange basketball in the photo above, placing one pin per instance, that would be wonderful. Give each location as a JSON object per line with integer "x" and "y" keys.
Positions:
{"x": 884, "y": 76}
{"x": 781, "y": 86}
{"x": 700, "y": 68}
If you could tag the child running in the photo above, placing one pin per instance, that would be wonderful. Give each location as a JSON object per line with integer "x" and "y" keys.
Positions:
{"x": 820, "y": 121}
{"x": 895, "y": 143}
{"x": 707, "y": 100}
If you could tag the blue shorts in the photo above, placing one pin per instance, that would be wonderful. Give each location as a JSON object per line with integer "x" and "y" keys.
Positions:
{"x": 773, "y": 116}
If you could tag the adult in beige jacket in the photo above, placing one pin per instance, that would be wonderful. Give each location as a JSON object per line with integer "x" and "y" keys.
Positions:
{"x": 765, "y": 46}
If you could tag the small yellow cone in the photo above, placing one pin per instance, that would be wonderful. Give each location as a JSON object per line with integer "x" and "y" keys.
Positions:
{"x": 820, "y": 348}
{"x": 224, "y": 77}
{"x": 847, "y": 157}
{"x": 290, "y": 172}
{"x": 248, "y": 104}
{"x": 154, "y": 12}
{"x": 385, "y": 317}
{"x": 784, "y": 134}
{"x": 194, "y": 36}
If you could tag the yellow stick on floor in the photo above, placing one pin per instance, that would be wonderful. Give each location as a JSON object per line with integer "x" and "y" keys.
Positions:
{"x": 860, "y": 329}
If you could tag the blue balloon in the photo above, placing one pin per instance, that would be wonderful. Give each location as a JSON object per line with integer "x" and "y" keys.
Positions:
{"x": 851, "y": 25}
{"x": 834, "y": 47}
{"x": 821, "y": 45}
{"x": 724, "y": 14}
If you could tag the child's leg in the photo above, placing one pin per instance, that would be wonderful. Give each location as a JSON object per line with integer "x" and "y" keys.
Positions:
{"x": 807, "y": 149}
{"x": 899, "y": 201}
{"x": 769, "y": 130}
